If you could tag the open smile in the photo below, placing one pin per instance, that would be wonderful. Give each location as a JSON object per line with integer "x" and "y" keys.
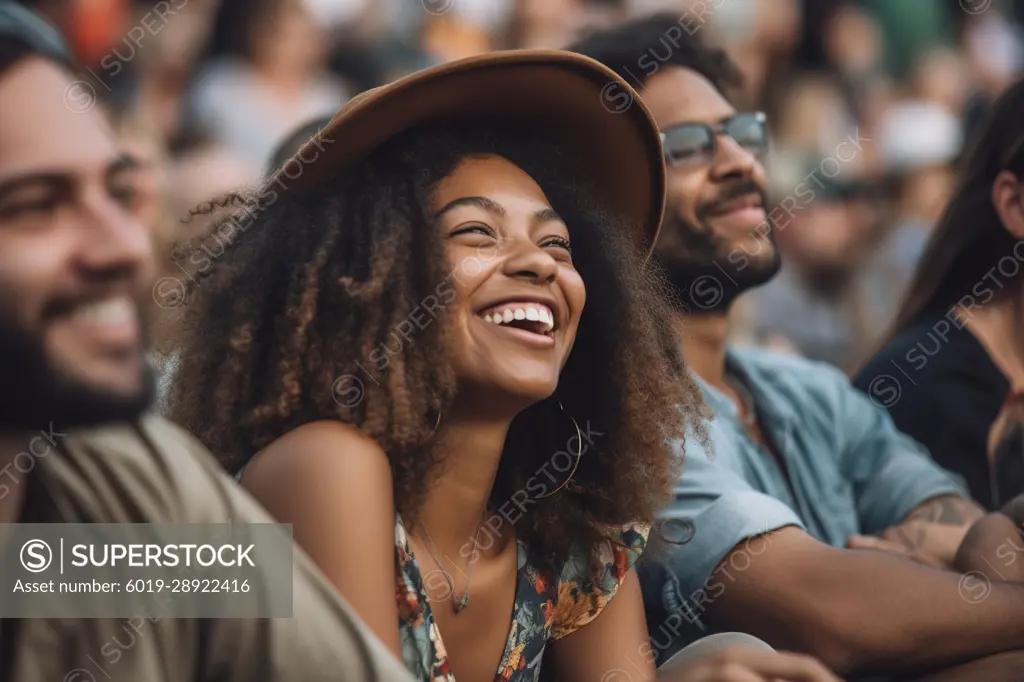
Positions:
{"x": 738, "y": 204}
{"x": 112, "y": 321}
{"x": 528, "y": 321}
{"x": 740, "y": 213}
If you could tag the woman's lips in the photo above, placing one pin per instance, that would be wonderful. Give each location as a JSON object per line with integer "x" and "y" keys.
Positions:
{"x": 535, "y": 339}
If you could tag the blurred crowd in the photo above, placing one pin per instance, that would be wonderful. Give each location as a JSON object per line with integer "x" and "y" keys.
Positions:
{"x": 869, "y": 103}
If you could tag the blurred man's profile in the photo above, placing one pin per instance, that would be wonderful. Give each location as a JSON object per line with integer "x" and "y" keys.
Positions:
{"x": 77, "y": 264}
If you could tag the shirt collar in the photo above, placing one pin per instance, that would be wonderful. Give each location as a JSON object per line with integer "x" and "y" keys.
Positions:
{"x": 760, "y": 380}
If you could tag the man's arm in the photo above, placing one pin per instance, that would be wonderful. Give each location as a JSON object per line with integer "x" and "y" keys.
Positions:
{"x": 865, "y": 613}
{"x": 902, "y": 495}
{"x": 936, "y": 528}
{"x": 1003, "y": 667}
{"x": 614, "y": 647}
{"x": 994, "y": 546}
{"x": 748, "y": 565}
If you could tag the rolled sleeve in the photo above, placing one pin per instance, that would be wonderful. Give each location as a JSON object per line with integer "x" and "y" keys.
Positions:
{"x": 718, "y": 510}
{"x": 891, "y": 473}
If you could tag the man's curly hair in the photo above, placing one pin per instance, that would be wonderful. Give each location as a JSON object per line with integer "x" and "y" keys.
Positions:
{"x": 283, "y": 322}
{"x": 637, "y": 49}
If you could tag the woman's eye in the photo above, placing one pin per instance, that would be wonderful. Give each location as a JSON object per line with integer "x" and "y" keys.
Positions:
{"x": 474, "y": 229}
{"x": 560, "y": 243}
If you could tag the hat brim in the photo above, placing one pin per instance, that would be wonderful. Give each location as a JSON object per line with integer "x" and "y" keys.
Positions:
{"x": 567, "y": 98}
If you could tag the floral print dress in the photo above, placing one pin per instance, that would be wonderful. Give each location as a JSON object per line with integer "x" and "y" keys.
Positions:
{"x": 544, "y": 610}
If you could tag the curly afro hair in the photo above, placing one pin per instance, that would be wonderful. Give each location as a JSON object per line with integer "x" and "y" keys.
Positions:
{"x": 634, "y": 50}
{"x": 287, "y": 310}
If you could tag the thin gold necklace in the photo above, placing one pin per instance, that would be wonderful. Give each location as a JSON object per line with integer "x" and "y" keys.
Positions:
{"x": 463, "y": 603}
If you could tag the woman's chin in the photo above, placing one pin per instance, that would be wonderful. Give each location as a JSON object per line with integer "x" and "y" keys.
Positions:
{"x": 511, "y": 395}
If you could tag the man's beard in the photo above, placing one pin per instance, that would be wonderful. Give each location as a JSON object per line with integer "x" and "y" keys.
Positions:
{"x": 705, "y": 274}
{"x": 35, "y": 393}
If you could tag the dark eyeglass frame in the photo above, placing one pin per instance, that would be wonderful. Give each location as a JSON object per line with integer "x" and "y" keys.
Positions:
{"x": 723, "y": 127}
{"x": 22, "y": 25}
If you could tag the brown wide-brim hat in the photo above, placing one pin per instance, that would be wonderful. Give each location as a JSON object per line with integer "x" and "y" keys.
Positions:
{"x": 575, "y": 102}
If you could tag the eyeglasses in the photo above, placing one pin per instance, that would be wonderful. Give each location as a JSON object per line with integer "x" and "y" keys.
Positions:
{"x": 696, "y": 143}
{"x": 25, "y": 26}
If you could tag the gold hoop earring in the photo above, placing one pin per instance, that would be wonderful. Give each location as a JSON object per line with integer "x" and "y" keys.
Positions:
{"x": 579, "y": 452}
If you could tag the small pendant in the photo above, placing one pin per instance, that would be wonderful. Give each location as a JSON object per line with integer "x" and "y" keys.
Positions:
{"x": 462, "y": 603}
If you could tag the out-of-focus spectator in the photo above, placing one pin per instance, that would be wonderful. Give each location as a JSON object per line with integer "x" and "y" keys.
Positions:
{"x": 545, "y": 23}
{"x": 813, "y": 120}
{"x": 853, "y": 41}
{"x": 263, "y": 74}
{"x": 199, "y": 171}
{"x": 203, "y": 170}
{"x": 920, "y": 198}
{"x": 941, "y": 76}
{"x": 952, "y": 370}
{"x": 450, "y": 36}
{"x": 159, "y": 68}
{"x": 819, "y": 302}
{"x": 993, "y": 46}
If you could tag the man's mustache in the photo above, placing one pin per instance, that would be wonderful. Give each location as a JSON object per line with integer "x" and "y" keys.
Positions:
{"x": 65, "y": 302}
{"x": 730, "y": 192}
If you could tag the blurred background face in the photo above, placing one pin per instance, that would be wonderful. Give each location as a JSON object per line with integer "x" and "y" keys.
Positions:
{"x": 852, "y": 40}
{"x": 716, "y": 231}
{"x": 177, "y": 46}
{"x": 517, "y": 297}
{"x": 75, "y": 260}
{"x": 826, "y": 241}
{"x": 546, "y": 23}
{"x": 286, "y": 38}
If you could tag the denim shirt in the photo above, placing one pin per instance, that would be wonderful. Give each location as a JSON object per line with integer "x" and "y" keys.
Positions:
{"x": 849, "y": 471}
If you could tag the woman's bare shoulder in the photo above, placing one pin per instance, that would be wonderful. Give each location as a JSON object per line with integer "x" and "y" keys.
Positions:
{"x": 318, "y": 453}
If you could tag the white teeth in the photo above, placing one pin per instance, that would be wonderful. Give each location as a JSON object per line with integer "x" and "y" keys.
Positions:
{"x": 111, "y": 311}
{"x": 533, "y": 313}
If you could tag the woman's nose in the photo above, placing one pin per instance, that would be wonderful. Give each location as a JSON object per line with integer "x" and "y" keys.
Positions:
{"x": 531, "y": 262}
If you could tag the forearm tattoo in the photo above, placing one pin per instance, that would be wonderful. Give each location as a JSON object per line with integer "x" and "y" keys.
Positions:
{"x": 948, "y": 510}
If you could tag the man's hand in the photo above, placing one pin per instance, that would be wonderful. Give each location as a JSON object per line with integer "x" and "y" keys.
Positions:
{"x": 896, "y": 548}
{"x": 934, "y": 530}
{"x": 994, "y": 547}
{"x": 746, "y": 665}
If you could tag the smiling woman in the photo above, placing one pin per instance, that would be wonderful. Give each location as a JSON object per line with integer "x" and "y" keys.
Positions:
{"x": 527, "y": 383}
